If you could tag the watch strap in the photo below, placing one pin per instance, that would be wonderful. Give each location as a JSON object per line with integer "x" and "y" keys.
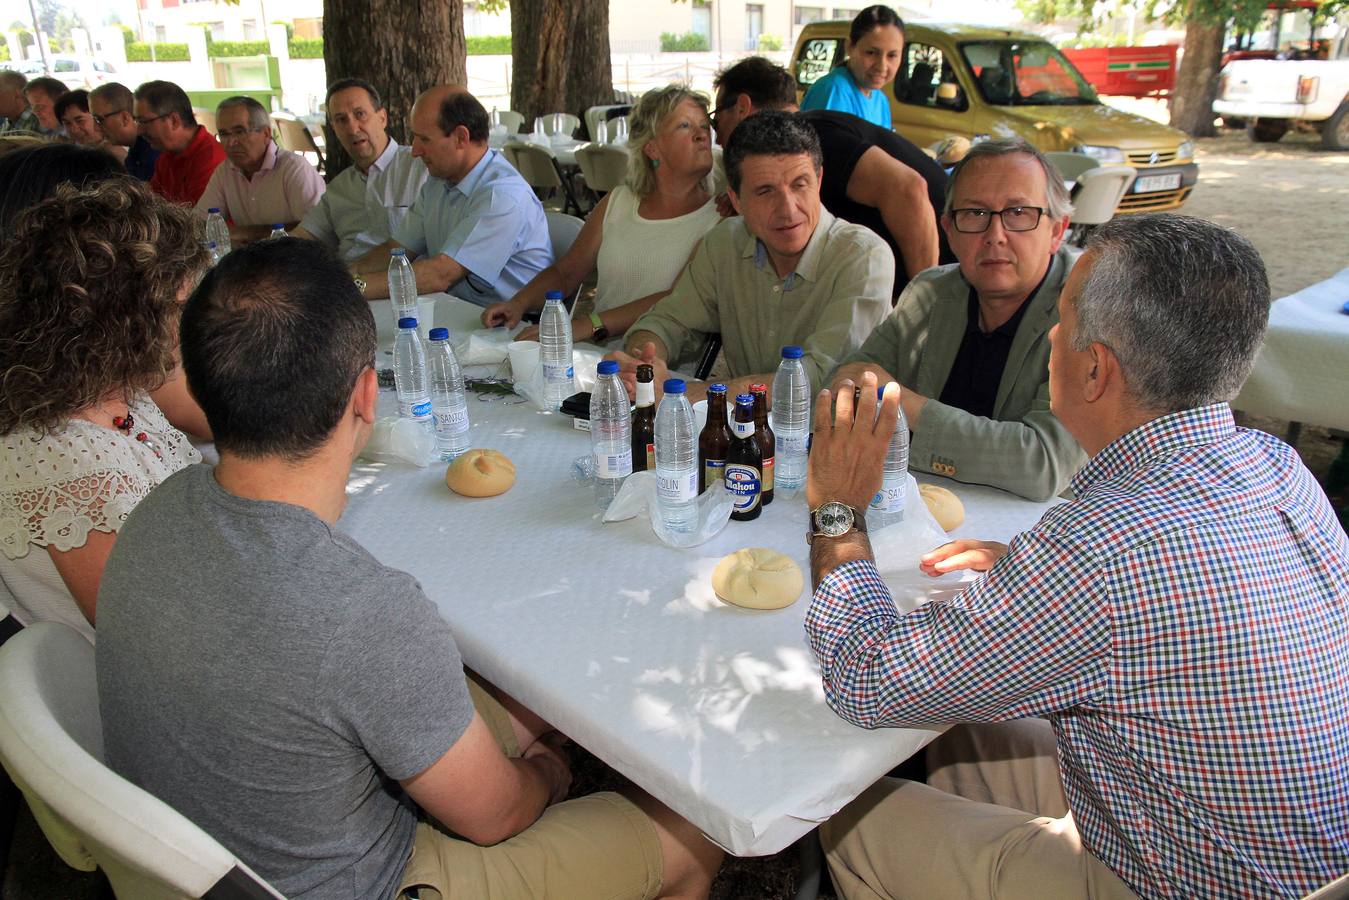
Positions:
{"x": 597, "y": 330}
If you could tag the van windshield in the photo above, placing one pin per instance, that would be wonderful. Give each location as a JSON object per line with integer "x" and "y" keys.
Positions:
{"x": 1026, "y": 73}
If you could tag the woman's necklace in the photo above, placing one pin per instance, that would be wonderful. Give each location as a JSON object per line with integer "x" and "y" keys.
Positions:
{"x": 127, "y": 422}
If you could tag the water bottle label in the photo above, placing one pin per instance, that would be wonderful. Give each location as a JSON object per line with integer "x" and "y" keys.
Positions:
{"x": 414, "y": 409}
{"x": 889, "y": 499}
{"x": 555, "y": 374}
{"x": 791, "y": 444}
{"x": 453, "y": 422}
{"x": 613, "y": 465}
{"x": 744, "y": 484}
{"x": 677, "y": 488}
{"x": 742, "y": 429}
{"x": 714, "y": 471}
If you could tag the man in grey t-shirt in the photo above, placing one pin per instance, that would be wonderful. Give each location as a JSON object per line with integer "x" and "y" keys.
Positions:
{"x": 263, "y": 674}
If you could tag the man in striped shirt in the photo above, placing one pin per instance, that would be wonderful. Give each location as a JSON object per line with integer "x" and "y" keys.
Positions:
{"x": 1181, "y": 623}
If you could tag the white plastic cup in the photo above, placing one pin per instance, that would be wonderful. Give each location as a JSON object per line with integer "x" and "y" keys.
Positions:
{"x": 426, "y": 316}
{"x": 524, "y": 356}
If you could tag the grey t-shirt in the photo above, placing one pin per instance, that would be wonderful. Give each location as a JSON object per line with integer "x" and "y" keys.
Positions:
{"x": 268, "y": 678}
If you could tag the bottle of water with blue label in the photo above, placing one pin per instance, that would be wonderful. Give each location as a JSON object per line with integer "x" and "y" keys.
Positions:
{"x": 278, "y": 231}
{"x": 887, "y": 507}
{"x": 409, "y": 374}
{"x": 791, "y": 419}
{"x": 610, "y": 433}
{"x": 218, "y": 230}
{"x": 449, "y": 408}
{"x": 555, "y": 350}
{"x": 676, "y": 460}
{"x": 402, "y": 285}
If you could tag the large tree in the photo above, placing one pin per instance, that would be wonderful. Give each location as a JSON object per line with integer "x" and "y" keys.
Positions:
{"x": 401, "y": 48}
{"x": 560, "y": 56}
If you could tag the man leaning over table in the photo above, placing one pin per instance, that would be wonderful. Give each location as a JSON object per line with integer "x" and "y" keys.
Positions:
{"x": 477, "y": 229}
{"x": 783, "y": 272}
{"x": 969, "y": 343}
{"x": 368, "y": 199}
{"x": 332, "y": 740}
{"x": 1181, "y": 623}
{"x": 259, "y": 185}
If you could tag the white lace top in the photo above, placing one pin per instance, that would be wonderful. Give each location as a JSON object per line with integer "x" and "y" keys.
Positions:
{"x": 55, "y": 489}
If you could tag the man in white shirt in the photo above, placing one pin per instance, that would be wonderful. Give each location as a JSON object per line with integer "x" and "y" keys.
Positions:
{"x": 366, "y": 201}
{"x": 259, "y": 185}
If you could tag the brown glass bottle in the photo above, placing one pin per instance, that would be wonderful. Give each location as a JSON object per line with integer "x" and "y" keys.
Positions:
{"x": 767, "y": 442}
{"x": 644, "y": 422}
{"x": 715, "y": 440}
{"x": 744, "y": 470}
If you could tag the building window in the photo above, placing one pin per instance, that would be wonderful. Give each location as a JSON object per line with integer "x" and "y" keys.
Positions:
{"x": 753, "y": 25}
{"x": 702, "y": 20}
{"x": 804, "y": 15}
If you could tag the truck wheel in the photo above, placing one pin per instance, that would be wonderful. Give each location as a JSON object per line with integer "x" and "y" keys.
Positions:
{"x": 1266, "y": 131}
{"x": 1335, "y": 132}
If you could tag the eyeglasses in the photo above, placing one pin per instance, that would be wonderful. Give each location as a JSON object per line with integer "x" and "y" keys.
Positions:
{"x": 235, "y": 134}
{"x": 718, "y": 111}
{"x": 1014, "y": 218}
{"x": 101, "y": 119}
{"x": 147, "y": 120}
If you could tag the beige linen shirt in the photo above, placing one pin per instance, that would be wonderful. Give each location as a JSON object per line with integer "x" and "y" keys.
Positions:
{"x": 839, "y": 292}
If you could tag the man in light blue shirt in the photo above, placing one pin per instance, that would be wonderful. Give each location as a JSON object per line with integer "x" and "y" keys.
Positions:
{"x": 477, "y": 230}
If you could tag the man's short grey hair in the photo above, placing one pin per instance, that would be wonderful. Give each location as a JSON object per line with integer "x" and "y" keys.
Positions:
{"x": 257, "y": 113}
{"x": 12, "y": 81}
{"x": 1059, "y": 204}
{"x": 1181, "y": 302}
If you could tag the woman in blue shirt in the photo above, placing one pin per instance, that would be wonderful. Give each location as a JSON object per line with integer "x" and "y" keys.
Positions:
{"x": 875, "y": 47}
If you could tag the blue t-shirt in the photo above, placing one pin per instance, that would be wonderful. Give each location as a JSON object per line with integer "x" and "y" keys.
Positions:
{"x": 838, "y": 90}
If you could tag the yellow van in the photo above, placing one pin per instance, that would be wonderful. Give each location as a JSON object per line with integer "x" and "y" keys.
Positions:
{"x": 987, "y": 83}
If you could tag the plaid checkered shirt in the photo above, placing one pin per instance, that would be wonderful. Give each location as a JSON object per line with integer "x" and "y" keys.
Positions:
{"x": 1183, "y": 624}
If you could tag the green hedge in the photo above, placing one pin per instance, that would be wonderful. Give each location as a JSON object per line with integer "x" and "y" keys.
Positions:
{"x": 687, "y": 43}
{"x": 306, "y": 48}
{"x": 237, "y": 48}
{"x": 136, "y": 51}
{"x": 489, "y": 45}
{"x": 4, "y": 52}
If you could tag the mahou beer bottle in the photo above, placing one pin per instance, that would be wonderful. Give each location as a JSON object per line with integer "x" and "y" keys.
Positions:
{"x": 714, "y": 442}
{"x": 644, "y": 422}
{"x": 767, "y": 442}
{"x": 743, "y": 463}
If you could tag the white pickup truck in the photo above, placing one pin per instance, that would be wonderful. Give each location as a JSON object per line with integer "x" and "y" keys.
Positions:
{"x": 1270, "y": 94}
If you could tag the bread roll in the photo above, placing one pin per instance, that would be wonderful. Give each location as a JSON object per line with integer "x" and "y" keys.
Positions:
{"x": 480, "y": 473}
{"x": 944, "y": 505}
{"x": 758, "y": 578}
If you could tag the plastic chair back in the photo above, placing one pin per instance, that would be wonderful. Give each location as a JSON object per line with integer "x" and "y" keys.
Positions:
{"x": 1099, "y": 191}
{"x": 566, "y": 123}
{"x": 51, "y": 743}
{"x": 296, "y": 137}
{"x": 603, "y": 166}
{"x": 535, "y": 164}
{"x": 513, "y": 120}
{"x": 205, "y": 117}
{"x": 562, "y": 231}
{"x": 1072, "y": 165}
{"x": 616, "y": 128}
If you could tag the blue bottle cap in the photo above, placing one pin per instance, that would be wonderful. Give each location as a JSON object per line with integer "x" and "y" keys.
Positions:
{"x": 439, "y": 334}
{"x": 717, "y": 388}
{"x": 407, "y": 322}
{"x": 552, "y": 295}
{"x": 792, "y": 353}
{"x": 281, "y": 225}
{"x": 744, "y": 400}
{"x": 674, "y": 385}
{"x": 398, "y": 251}
{"x": 607, "y": 367}
{"x": 213, "y": 209}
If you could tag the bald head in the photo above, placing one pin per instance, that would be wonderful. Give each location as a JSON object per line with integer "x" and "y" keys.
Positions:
{"x": 452, "y": 106}
{"x": 449, "y": 131}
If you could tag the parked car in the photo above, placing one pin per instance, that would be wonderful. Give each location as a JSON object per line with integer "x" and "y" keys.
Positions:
{"x": 986, "y": 83}
{"x": 75, "y": 71}
{"x": 1272, "y": 94}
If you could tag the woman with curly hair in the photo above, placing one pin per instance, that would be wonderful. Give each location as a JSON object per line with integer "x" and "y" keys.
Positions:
{"x": 91, "y": 288}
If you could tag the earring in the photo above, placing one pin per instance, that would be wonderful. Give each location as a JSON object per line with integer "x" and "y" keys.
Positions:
{"x": 655, "y": 164}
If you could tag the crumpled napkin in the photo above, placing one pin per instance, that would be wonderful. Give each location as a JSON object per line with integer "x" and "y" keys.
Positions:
{"x": 395, "y": 439}
{"x": 639, "y": 492}
{"x": 483, "y": 346}
{"x": 583, "y": 361}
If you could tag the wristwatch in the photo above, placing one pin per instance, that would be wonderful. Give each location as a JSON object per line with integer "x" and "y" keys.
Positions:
{"x": 360, "y": 283}
{"x": 599, "y": 334}
{"x": 834, "y": 519}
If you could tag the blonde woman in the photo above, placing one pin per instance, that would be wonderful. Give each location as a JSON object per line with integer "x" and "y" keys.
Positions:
{"x": 640, "y": 236}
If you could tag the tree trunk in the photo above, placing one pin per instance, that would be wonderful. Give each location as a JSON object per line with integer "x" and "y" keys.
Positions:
{"x": 560, "y": 56}
{"x": 1197, "y": 80}
{"x": 401, "y": 48}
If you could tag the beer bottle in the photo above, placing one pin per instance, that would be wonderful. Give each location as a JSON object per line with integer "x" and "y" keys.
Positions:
{"x": 764, "y": 434}
{"x": 743, "y": 463}
{"x": 714, "y": 442}
{"x": 644, "y": 422}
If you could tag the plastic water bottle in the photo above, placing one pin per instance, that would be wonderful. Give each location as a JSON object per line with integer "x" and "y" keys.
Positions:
{"x": 409, "y": 374}
{"x": 449, "y": 409}
{"x": 217, "y": 230}
{"x": 610, "y": 433}
{"x": 555, "y": 350}
{"x": 887, "y": 507}
{"x": 791, "y": 419}
{"x": 278, "y": 231}
{"x": 402, "y": 285}
{"x": 676, "y": 460}
{"x": 213, "y": 250}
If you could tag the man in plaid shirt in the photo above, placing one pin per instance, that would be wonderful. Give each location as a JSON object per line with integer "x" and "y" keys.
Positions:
{"x": 1181, "y": 623}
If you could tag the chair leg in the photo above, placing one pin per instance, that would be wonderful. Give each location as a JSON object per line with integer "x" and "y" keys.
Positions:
{"x": 812, "y": 866}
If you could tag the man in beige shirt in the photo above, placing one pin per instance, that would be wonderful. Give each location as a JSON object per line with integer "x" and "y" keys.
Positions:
{"x": 784, "y": 272}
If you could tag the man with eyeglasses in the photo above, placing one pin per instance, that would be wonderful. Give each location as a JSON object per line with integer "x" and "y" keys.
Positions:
{"x": 969, "y": 343}
{"x": 112, "y": 107}
{"x": 259, "y": 185}
{"x": 188, "y": 154}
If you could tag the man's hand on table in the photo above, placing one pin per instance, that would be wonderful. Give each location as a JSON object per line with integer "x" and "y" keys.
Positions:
{"x": 507, "y": 313}
{"x": 627, "y": 368}
{"x": 978, "y": 556}
{"x": 548, "y": 755}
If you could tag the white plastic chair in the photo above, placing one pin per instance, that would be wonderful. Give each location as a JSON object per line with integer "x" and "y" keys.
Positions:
{"x": 51, "y": 743}
{"x": 562, "y": 232}
{"x": 513, "y": 120}
{"x": 617, "y": 127}
{"x": 603, "y": 166}
{"x": 566, "y": 123}
{"x": 540, "y": 169}
{"x": 1098, "y": 193}
{"x": 205, "y": 117}
{"x": 295, "y": 136}
{"x": 1072, "y": 165}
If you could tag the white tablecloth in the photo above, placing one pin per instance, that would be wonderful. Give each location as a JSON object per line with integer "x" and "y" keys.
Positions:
{"x": 1302, "y": 372}
{"x": 618, "y": 640}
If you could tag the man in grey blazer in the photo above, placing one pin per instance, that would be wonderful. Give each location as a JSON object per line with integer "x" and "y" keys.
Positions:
{"x": 969, "y": 343}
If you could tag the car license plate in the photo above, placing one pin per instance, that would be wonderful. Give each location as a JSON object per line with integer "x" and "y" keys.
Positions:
{"x": 1149, "y": 183}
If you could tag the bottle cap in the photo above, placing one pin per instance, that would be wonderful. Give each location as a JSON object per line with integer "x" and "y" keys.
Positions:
{"x": 398, "y": 251}
{"x": 213, "y": 209}
{"x": 210, "y": 245}
{"x": 439, "y": 334}
{"x": 552, "y": 295}
{"x": 717, "y": 388}
{"x": 607, "y": 367}
{"x": 758, "y": 388}
{"x": 407, "y": 322}
{"x": 792, "y": 353}
{"x": 281, "y": 225}
{"x": 674, "y": 385}
{"x": 744, "y": 400}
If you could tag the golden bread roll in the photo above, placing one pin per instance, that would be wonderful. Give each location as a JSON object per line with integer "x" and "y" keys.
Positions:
{"x": 480, "y": 473}
{"x": 758, "y": 578}
{"x": 944, "y": 505}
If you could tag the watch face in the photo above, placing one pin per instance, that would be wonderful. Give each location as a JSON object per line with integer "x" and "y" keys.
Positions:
{"x": 833, "y": 519}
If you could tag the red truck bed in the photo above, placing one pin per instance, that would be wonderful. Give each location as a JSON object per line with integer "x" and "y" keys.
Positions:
{"x": 1127, "y": 71}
